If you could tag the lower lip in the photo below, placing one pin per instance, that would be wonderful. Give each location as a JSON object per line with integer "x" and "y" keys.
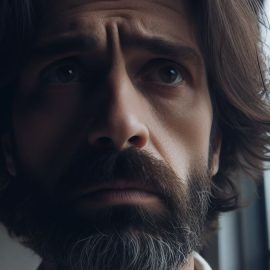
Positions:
{"x": 115, "y": 197}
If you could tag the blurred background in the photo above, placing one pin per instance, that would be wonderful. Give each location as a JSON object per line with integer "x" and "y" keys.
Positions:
{"x": 242, "y": 242}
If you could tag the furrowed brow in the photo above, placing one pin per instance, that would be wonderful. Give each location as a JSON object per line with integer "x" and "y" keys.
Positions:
{"x": 161, "y": 46}
{"x": 155, "y": 45}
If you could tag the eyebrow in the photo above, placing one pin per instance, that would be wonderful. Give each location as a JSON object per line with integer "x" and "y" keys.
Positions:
{"x": 156, "y": 45}
{"x": 162, "y": 46}
{"x": 65, "y": 44}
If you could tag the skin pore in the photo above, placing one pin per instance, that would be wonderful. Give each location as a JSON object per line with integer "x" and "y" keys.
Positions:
{"x": 114, "y": 74}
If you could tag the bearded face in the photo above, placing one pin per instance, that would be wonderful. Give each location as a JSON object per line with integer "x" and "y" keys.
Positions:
{"x": 109, "y": 148}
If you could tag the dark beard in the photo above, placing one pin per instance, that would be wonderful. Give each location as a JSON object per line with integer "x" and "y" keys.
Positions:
{"x": 118, "y": 237}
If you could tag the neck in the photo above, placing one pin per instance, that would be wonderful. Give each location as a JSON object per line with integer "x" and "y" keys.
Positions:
{"x": 189, "y": 265}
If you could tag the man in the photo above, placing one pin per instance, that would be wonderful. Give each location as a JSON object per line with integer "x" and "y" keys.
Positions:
{"x": 124, "y": 125}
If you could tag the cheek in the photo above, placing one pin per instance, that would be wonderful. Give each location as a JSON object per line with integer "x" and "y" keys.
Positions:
{"x": 39, "y": 131}
{"x": 185, "y": 133}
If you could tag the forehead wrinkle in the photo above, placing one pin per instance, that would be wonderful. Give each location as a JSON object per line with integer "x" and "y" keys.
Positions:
{"x": 118, "y": 4}
{"x": 104, "y": 9}
{"x": 114, "y": 50}
{"x": 81, "y": 25}
{"x": 71, "y": 16}
{"x": 135, "y": 29}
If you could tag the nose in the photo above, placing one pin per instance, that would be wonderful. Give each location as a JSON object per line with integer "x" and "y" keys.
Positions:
{"x": 122, "y": 117}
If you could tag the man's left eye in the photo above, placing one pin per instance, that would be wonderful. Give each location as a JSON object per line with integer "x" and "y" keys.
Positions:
{"x": 163, "y": 72}
{"x": 63, "y": 73}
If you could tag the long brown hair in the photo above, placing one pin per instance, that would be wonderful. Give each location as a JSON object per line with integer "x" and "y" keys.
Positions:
{"x": 232, "y": 46}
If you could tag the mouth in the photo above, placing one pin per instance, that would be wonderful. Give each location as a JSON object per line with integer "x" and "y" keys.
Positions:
{"x": 118, "y": 193}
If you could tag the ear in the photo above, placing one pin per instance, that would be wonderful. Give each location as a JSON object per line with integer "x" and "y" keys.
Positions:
{"x": 8, "y": 154}
{"x": 216, "y": 148}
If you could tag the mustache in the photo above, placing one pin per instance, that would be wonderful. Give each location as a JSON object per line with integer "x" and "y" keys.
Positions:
{"x": 94, "y": 167}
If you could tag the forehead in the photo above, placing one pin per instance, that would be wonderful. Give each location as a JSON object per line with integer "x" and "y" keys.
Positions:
{"x": 178, "y": 6}
{"x": 161, "y": 18}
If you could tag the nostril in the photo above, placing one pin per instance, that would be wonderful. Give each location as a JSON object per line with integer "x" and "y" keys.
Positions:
{"x": 135, "y": 140}
{"x": 105, "y": 142}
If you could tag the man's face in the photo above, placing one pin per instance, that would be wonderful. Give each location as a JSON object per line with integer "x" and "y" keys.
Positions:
{"x": 113, "y": 115}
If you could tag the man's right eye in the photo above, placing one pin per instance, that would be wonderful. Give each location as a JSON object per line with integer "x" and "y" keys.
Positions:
{"x": 67, "y": 72}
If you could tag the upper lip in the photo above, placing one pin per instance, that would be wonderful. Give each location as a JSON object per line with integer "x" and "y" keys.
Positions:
{"x": 117, "y": 185}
